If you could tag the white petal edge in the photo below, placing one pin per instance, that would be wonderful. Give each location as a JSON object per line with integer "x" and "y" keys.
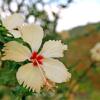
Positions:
{"x": 15, "y": 33}
{"x": 53, "y": 48}
{"x": 13, "y": 21}
{"x": 95, "y": 52}
{"x": 15, "y": 51}
{"x": 55, "y": 70}
{"x": 32, "y": 34}
{"x": 30, "y": 76}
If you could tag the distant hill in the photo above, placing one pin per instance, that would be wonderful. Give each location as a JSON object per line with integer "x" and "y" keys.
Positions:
{"x": 84, "y": 30}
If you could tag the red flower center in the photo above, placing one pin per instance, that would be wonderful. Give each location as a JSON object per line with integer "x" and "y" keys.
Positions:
{"x": 36, "y": 58}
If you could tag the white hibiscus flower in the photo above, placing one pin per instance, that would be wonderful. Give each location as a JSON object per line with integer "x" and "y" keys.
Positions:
{"x": 95, "y": 52}
{"x": 12, "y": 22}
{"x": 43, "y": 68}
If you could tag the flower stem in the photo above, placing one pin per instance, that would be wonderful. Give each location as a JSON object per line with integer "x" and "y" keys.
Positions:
{"x": 23, "y": 97}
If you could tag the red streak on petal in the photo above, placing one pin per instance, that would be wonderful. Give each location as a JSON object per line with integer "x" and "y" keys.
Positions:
{"x": 34, "y": 55}
{"x": 35, "y": 63}
{"x": 40, "y": 57}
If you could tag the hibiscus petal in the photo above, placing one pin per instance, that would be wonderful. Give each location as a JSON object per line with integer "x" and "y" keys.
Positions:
{"x": 95, "y": 52}
{"x": 15, "y": 51}
{"x": 55, "y": 70}
{"x": 13, "y": 21}
{"x": 33, "y": 35}
{"x": 15, "y": 33}
{"x": 30, "y": 76}
{"x": 53, "y": 48}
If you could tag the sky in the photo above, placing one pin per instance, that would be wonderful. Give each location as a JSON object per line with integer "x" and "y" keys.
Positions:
{"x": 78, "y": 13}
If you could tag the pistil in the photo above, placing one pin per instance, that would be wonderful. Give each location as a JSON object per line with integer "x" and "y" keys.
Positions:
{"x": 37, "y": 61}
